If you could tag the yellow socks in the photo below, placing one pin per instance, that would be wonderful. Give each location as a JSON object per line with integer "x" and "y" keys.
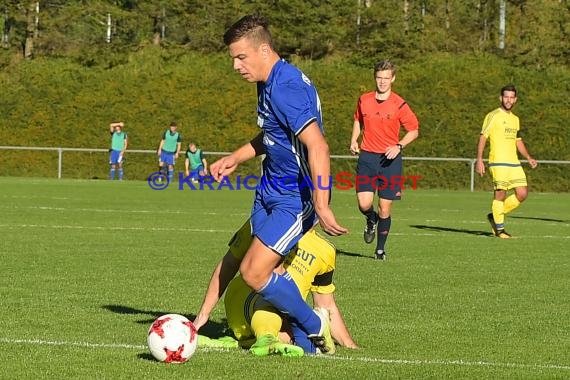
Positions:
{"x": 498, "y": 209}
{"x": 510, "y": 203}
{"x": 266, "y": 321}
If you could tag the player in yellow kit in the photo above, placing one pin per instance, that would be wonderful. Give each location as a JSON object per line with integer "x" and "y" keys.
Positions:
{"x": 256, "y": 324}
{"x": 502, "y": 128}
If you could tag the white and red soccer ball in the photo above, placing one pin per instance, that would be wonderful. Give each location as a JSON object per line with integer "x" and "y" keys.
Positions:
{"x": 172, "y": 338}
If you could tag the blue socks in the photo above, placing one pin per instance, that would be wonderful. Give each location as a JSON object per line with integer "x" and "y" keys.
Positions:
{"x": 301, "y": 339}
{"x": 112, "y": 174}
{"x": 383, "y": 230}
{"x": 282, "y": 293}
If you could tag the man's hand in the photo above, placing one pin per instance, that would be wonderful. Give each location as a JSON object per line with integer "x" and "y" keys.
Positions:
{"x": 223, "y": 167}
{"x": 201, "y": 320}
{"x": 354, "y": 149}
{"x": 480, "y": 167}
{"x": 392, "y": 152}
{"x": 328, "y": 222}
{"x": 532, "y": 162}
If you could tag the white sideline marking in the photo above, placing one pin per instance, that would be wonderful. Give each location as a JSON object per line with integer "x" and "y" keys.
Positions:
{"x": 447, "y": 362}
{"x": 41, "y": 342}
{"x": 50, "y": 208}
{"x": 59, "y": 226}
{"x": 117, "y": 228}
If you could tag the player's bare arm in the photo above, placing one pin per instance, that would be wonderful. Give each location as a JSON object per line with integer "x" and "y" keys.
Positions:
{"x": 319, "y": 162}
{"x": 521, "y": 147}
{"x": 221, "y": 277}
{"x": 393, "y": 151}
{"x": 159, "y": 151}
{"x": 228, "y": 164}
{"x": 354, "y": 148}
{"x": 339, "y": 330}
{"x": 186, "y": 167}
{"x": 113, "y": 125}
{"x": 178, "y": 146}
{"x": 480, "y": 166}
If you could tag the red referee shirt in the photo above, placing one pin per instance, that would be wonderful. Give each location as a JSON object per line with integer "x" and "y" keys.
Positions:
{"x": 380, "y": 121}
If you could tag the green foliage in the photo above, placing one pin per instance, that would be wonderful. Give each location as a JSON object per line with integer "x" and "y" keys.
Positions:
{"x": 59, "y": 102}
{"x": 536, "y": 32}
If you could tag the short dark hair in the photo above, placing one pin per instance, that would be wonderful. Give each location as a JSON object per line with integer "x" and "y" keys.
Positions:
{"x": 254, "y": 27}
{"x": 173, "y": 124}
{"x": 385, "y": 65}
{"x": 509, "y": 87}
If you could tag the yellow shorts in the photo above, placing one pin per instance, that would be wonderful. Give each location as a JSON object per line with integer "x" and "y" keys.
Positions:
{"x": 240, "y": 303}
{"x": 240, "y": 242}
{"x": 507, "y": 177}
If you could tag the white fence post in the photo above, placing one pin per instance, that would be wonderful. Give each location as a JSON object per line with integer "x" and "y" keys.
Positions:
{"x": 59, "y": 162}
{"x": 473, "y": 175}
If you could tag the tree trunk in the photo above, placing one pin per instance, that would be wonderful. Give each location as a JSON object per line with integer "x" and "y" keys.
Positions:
{"x": 482, "y": 9}
{"x": 30, "y": 30}
{"x": 502, "y": 22}
{"x": 5, "y": 30}
{"x": 406, "y": 15}
{"x": 447, "y": 14}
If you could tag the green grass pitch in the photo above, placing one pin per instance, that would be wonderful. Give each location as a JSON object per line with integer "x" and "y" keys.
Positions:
{"x": 86, "y": 266}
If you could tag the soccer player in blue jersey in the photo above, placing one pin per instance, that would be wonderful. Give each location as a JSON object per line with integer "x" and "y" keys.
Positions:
{"x": 291, "y": 137}
{"x": 119, "y": 143}
{"x": 169, "y": 149}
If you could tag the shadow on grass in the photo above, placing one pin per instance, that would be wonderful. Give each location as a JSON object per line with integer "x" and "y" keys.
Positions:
{"x": 210, "y": 329}
{"x": 541, "y": 219}
{"x": 449, "y": 229}
{"x": 352, "y": 254}
{"x": 146, "y": 356}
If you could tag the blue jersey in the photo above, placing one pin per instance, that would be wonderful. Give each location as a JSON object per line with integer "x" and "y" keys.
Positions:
{"x": 287, "y": 103}
{"x": 283, "y": 209}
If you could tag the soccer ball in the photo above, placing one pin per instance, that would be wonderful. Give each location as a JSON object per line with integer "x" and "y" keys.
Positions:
{"x": 172, "y": 338}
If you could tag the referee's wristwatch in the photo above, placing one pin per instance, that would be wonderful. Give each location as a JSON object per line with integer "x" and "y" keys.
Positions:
{"x": 400, "y": 146}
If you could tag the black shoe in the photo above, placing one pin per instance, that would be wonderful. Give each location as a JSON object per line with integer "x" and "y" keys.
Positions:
{"x": 503, "y": 234}
{"x": 492, "y": 223}
{"x": 370, "y": 231}
{"x": 380, "y": 255}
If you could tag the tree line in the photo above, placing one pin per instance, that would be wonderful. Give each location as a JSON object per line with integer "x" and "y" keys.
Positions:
{"x": 533, "y": 32}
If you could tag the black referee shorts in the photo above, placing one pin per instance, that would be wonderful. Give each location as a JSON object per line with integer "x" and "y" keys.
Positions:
{"x": 375, "y": 172}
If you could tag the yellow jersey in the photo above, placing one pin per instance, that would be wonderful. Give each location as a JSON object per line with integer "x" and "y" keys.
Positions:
{"x": 310, "y": 263}
{"x": 502, "y": 129}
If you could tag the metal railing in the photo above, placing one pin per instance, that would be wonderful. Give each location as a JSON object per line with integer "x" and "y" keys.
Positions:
{"x": 60, "y": 150}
